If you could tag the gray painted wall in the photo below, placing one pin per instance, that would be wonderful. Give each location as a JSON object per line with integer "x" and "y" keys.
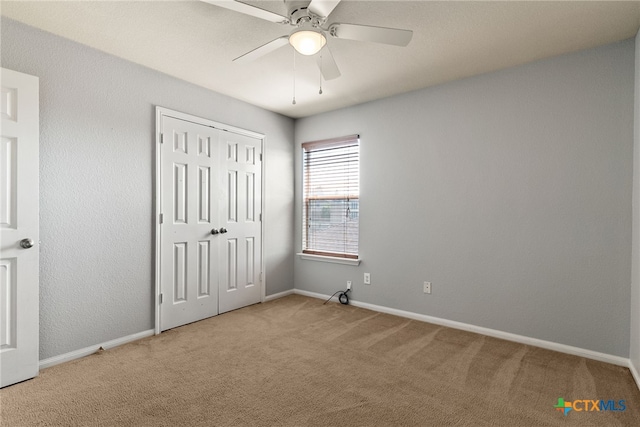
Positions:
{"x": 96, "y": 181}
{"x": 634, "y": 351}
{"x": 511, "y": 192}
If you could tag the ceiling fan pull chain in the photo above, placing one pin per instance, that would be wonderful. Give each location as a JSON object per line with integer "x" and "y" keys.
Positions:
{"x": 294, "y": 77}
{"x": 320, "y": 91}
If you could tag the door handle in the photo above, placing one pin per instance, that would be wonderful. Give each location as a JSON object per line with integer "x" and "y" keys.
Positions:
{"x": 26, "y": 243}
{"x": 214, "y": 231}
{"x": 223, "y": 230}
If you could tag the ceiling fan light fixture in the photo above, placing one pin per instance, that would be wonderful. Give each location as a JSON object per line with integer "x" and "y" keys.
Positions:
{"x": 307, "y": 42}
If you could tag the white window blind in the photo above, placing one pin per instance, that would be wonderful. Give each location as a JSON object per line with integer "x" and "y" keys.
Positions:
{"x": 331, "y": 170}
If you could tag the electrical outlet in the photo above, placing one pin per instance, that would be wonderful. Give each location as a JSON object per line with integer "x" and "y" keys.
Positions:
{"x": 348, "y": 284}
{"x": 367, "y": 278}
{"x": 427, "y": 287}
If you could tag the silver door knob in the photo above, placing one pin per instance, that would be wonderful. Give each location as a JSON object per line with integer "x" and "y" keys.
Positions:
{"x": 26, "y": 243}
{"x": 223, "y": 230}
{"x": 214, "y": 231}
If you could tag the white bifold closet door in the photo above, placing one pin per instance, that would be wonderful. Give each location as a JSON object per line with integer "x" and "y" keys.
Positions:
{"x": 210, "y": 230}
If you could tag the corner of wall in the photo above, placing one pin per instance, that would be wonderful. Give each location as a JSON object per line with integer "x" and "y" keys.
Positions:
{"x": 634, "y": 339}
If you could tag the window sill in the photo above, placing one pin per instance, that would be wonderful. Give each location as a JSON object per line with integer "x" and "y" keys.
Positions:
{"x": 334, "y": 260}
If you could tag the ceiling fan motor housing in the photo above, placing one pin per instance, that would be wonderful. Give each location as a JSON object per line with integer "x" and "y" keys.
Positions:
{"x": 299, "y": 14}
{"x": 297, "y": 10}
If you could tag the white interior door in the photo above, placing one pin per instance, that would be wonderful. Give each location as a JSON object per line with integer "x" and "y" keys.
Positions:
{"x": 19, "y": 234}
{"x": 189, "y": 251}
{"x": 241, "y": 203}
{"x": 210, "y": 244}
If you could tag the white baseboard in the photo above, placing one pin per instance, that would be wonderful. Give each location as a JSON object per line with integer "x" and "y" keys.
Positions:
{"x": 549, "y": 345}
{"x": 278, "y": 295}
{"x": 77, "y": 354}
{"x": 635, "y": 372}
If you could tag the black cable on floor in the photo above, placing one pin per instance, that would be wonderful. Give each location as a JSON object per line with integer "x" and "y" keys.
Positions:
{"x": 343, "y": 298}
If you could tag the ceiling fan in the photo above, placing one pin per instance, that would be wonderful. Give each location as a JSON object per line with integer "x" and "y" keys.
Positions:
{"x": 309, "y": 35}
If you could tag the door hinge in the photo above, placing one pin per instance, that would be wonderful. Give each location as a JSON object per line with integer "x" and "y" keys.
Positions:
{"x": 260, "y": 217}
{"x": 161, "y": 219}
{"x": 260, "y": 277}
{"x": 161, "y": 298}
{"x": 260, "y": 156}
{"x": 162, "y": 138}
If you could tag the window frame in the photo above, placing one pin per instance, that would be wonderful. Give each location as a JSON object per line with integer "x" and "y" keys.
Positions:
{"x": 315, "y": 253}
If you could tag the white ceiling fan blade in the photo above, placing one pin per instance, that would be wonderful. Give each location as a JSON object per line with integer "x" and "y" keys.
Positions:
{"x": 323, "y": 8}
{"x": 263, "y": 50}
{"x": 249, "y": 10}
{"x": 368, "y": 33}
{"x": 327, "y": 64}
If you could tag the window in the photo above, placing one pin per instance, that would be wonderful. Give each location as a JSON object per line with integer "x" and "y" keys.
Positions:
{"x": 331, "y": 197}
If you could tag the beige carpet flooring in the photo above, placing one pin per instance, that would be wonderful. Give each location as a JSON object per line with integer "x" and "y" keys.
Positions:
{"x": 296, "y": 362}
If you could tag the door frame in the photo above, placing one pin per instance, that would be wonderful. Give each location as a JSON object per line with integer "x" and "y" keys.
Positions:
{"x": 166, "y": 112}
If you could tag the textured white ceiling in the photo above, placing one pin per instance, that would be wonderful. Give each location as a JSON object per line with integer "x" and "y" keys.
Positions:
{"x": 196, "y": 41}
